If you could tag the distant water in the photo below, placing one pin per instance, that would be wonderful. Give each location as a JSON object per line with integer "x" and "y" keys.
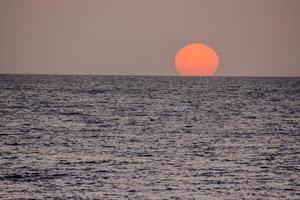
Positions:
{"x": 110, "y": 137}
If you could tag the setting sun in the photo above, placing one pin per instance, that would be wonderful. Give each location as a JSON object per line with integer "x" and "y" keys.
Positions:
{"x": 196, "y": 60}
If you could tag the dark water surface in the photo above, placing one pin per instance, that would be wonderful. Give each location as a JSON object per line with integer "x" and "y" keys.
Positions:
{"x": 106, "y": 137}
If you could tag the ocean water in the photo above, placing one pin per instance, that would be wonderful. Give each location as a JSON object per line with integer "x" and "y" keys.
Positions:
{"x": 122, "y": 137}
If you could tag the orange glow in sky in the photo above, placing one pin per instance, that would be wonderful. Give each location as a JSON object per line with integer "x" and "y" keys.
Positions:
{"x": 196, "y": 60}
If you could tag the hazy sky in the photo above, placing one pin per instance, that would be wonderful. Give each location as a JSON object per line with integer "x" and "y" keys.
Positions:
{"x": 141, "y": 37}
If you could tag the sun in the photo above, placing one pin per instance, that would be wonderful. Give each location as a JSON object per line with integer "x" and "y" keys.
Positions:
{"x": 196, "y": 60}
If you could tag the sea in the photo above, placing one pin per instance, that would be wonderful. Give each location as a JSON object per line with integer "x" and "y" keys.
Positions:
{"x": 149, "y": 137}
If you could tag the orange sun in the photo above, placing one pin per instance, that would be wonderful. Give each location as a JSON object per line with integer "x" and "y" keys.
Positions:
{"x": 197, "y": 60}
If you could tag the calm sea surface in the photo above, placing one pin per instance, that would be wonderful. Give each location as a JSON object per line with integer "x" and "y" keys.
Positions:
{"x": 114, "y": 137}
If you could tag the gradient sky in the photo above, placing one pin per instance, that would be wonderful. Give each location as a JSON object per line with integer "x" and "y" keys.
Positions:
{"x": 141, "y": 37}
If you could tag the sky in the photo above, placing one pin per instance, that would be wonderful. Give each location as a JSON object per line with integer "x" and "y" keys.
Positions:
{"x": 142, "y": 37}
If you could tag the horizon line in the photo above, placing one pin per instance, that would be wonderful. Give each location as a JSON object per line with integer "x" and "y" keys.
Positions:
{"x": 153, "y": 75}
